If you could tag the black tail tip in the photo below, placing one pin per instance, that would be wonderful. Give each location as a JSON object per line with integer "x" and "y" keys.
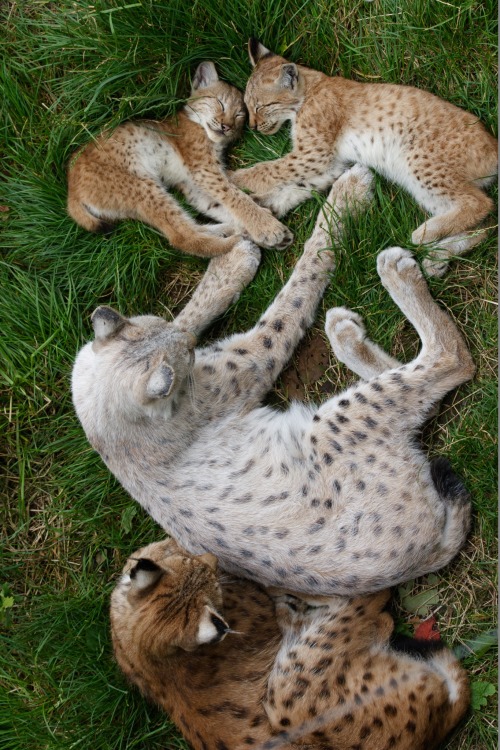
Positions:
{"x": 104, "y": 227}
{"x": 416, "y": 647}
{"x": 449, "y": 486}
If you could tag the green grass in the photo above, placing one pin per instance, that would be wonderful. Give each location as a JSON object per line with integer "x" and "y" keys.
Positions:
{"x": 67, "y": 70}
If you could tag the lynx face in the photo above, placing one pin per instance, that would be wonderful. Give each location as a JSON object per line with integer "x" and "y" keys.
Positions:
{"x": 139, "y": 362}
{"x": 216, "y": 105}
{"x": 168, "y": 599}
{"x": 274, "y": 92}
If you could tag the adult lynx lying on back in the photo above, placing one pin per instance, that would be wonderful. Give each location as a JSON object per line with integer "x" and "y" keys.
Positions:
{"x": 287, "y": 675}
{"x": 126, "y": 173}
{"x": 439, "y": 153}
{"x": 324, "y": 500}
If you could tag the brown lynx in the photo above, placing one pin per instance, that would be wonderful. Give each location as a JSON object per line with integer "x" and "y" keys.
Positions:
{"x": 125, "y": 174}
{"x": 441, "y": 154}
{"x": 329, "y": 499}
{"x": 320, "y": 673}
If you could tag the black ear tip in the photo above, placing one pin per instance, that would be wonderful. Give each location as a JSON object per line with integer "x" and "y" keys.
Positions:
{"x": 144, "y": 563}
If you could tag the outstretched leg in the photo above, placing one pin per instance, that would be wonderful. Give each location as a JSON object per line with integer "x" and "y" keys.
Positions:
{"x": 257, "y": 357}
{"x": 440, "y": 254}
{"x": 453, "y": 230}
{"x": 220, "y": 287}
{"x": 444, "y": 352}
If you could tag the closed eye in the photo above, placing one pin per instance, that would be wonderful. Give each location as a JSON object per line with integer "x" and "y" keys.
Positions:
{"x": 269, "y": 104}
{"x": 221, "y": 105}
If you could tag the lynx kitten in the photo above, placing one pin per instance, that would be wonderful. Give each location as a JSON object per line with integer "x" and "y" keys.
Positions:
{"x": 286, "y": 674}
{"x": 442, "y": 155}
{"x": 332, "y": 499}
{"x": 125, "y": 174}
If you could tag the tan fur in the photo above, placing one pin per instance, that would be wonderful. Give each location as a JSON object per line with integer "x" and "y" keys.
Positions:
{"x": 441, "y": 154}
{"x": 292, "y": 673}
{"x": 125, "y": 174}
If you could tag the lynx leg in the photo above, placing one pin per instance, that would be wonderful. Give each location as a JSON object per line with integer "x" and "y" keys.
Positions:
{"x": 220, "y": 287}
{"x": 258, "y": 356}
{"x": 148, "y": 202}
{"x": 347, "y": 336}
{"x": 452, "y": 227}
{"x": 444, "y": 354}
{"x": 436, "y": 263}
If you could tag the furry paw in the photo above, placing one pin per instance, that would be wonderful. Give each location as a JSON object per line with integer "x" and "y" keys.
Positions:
{"x": 220, "y": 230}
{"x": 434, "y": 266}
{"x": 398, "y": 268}
{"x": 344, "y": 327}
{"x": 269, "y": 232}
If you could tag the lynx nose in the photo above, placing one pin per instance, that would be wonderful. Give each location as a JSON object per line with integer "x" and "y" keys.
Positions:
{"x": 225, "y": 128}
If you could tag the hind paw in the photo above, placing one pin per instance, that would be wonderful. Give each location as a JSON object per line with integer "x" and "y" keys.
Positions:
{"x": 398, "y": 268}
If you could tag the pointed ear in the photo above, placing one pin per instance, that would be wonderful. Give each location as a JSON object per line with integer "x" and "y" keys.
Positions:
{"x": 205, "y": 75}
{"x": 289, "y": 76}
{"x": 106, "y": 322}
{"x": 160, "y": 382}
{"x": 256, "y": 51}
{"x": 145, "y": 574}
{"x": 212, "y": 627}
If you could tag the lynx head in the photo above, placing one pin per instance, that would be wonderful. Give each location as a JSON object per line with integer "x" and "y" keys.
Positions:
{"x": 132, "y": 369}
{"x": 274, "y": 92}
{"x": 166, "y": 599}
{"x": 216, "y": 105}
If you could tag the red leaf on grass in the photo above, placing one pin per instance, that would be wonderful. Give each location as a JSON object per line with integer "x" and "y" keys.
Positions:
{"x": 428, "y": 630}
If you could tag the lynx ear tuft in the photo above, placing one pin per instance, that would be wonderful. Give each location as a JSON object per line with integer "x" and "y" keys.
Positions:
{"x": 205, "y": 75}
{"x": 256, "y": 51}
{"x": 106, "y": 322}
{"x": 161, "y": 381}
{"x": 289, "y": 76}
{"x": 145, "y": 574}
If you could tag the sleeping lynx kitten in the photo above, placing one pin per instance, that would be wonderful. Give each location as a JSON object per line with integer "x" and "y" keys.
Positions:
{"x": 322, "y": 500}
{"x": 288, "y": 674}
{"x": 442, "y": 155}
{"x": 126, "y": 173}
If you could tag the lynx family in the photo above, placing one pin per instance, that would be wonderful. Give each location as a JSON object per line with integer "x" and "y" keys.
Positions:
{"x": 324, "y": 675}
{"x": 126, "y": 173}
{"x": 441, "y": 154}
{"x": 324, "y": 500}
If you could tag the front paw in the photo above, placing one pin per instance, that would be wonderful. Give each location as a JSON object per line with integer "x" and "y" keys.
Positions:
{"x": 221, "y": 230}
{"x": 269, "y": 232}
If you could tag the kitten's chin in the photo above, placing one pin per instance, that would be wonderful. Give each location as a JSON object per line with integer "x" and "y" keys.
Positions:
{"x": 217, "y": 137}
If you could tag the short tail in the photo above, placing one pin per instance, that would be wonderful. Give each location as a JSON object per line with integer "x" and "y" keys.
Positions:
{"x": 86, "y": 218}
{"x": 449, "y": 486}
{"x": 456, "y": 500}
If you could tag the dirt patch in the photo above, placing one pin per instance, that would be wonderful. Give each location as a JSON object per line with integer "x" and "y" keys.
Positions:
{"x": 308, "y": 367}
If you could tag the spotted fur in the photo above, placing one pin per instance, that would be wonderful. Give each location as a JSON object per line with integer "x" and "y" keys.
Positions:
{"x": 126, "y": 174}
{"x": 442, "y": 155}
{"x": 287, "y": 673}
{"x": 329, "y": 499}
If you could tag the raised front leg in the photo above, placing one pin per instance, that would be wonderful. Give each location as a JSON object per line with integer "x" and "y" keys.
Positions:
{"x": 220, "y": 287}
{"x": 255, "y": 359}
{"x": 304, "y": 163}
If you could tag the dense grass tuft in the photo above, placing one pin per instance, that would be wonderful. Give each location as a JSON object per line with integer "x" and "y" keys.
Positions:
{"x": 69, "y": 69}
